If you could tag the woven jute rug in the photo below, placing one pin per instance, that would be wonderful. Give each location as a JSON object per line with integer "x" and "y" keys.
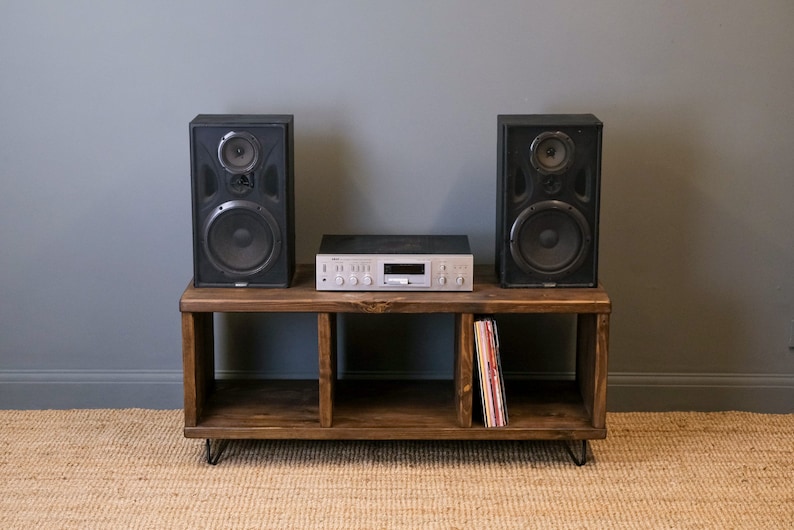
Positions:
{"x": 134, "y": 469}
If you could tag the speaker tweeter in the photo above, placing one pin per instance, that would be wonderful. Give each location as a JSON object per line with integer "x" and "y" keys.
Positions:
{"x": 238, "y": 152}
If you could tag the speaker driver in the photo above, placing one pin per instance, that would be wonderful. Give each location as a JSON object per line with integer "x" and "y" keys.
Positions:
{"x": 241, "y": 238}
{"x": 552, "y": 152}
{"x": 550, "y": 238}
{"x": 238, "y": 152}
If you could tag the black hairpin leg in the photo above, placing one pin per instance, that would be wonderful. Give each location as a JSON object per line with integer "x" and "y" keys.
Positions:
{"x": 219, "y": 448}
{"x": 579, "y": 461}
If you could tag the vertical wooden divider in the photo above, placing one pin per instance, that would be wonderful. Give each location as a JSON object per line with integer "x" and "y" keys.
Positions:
{"x": 464, "y": 357}
{"x": 326, "y": 346}
{"x": 585, "y": 349}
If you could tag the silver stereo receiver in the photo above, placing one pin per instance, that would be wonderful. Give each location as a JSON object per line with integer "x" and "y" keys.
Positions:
{"x": 394, "y": 263}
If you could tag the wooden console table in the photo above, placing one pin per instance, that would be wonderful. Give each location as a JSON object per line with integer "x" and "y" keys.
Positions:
{"x": 330, "y": 408}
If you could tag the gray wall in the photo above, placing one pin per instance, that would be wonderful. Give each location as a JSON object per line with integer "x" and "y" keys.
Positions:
{"x": 395, "y": 108}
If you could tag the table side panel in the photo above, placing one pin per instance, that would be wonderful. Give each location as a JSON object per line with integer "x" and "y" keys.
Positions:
{"x": 197, "y": 363}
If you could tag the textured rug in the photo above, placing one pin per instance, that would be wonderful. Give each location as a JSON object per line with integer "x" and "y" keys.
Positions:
{"x": 133, "y": 469}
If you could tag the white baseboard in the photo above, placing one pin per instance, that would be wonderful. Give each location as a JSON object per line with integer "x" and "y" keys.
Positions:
{"x": 162, "y": 389}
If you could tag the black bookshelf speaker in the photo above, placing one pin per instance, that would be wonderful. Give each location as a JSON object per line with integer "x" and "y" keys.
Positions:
{"x": 241, "y": 168}
{"x": 548, "y": 191}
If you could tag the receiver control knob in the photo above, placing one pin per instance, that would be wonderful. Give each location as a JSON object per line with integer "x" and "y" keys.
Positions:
{"x": 367, "y": 280}
{"x": 339, "y": 280}
{"x": 459, "y": 280}
{"x": 353, "y": 280}
{"x": 442, "y": 280}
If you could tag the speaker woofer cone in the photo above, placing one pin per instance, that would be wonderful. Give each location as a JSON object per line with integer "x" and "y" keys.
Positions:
{"x": 550, "y": 239}
{"x": 552, "y": 152}
{"x": 241, "y": 238}
{"x": 239, "y": 152}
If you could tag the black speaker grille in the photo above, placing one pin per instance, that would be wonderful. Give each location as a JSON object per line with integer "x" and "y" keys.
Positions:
{"x": 548, "y": 200}
{"x": 242, "y": 185}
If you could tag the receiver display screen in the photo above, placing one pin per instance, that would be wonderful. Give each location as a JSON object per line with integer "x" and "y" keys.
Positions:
{"x": 404, "y": 268}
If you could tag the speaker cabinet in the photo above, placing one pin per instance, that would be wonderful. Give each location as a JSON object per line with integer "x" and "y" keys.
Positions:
{"x": 242, "y": 187}
{"x": 548, "y": 187}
